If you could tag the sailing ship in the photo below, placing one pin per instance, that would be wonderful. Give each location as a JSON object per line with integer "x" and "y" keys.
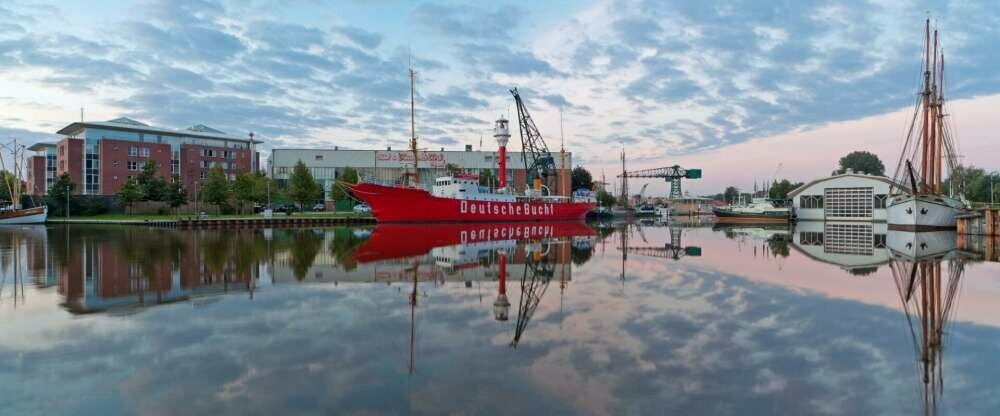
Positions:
{"x": 929, "y": 148}
{"x": 12, "y": 212}
{"x": 461, "y": 198}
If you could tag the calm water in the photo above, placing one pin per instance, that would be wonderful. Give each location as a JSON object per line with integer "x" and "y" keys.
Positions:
{"x": 615, "y": 319}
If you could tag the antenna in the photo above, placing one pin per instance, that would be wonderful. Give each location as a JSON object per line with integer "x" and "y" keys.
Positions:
{"x": 81, "y": 114}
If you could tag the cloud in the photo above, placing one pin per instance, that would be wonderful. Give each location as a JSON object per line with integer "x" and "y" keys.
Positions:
{"x": 361, "y": 37}
{"x": 467, "y": 22}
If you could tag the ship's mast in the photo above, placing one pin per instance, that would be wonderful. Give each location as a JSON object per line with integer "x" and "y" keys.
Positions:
{"x": 934, "y": 163}
{"x": 413, "y": 131}
{"x": 924, "y": 142}
{"x": 940, "y": 126}
{"x": 562, "y": 158}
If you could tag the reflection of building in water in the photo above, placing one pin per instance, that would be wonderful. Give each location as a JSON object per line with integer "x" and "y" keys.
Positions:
{"x": 928, "y": 287}
{"x": 102, "y": 270}
{"x": 858, "y": 247}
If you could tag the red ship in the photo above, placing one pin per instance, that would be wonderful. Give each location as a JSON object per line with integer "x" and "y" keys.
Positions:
{"x": 460, "y": 198}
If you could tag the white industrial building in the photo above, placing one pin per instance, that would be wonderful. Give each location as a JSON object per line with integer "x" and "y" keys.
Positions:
{"x": 849, "y": 196}
{"x": 326, "y": 165}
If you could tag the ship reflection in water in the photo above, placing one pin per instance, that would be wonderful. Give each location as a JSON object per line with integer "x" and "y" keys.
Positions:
{"x": 677, "y": 317}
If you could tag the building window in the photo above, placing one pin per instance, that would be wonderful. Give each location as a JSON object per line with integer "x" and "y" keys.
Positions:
{"x": 848, "y": 202}
{"x": 204, "y": 175}
{"x": 115, "y": 163}
{"x": 811, "y": 238}
{"x": 144, "y": 152}
{"x": 132, "y": 165}
{"x": 133, "y": 151}
{"x": 159, "y": 139}
{"x": 319, "y": 157}
{"x": 880, "y": 201}
{"x": 811, "y": 201}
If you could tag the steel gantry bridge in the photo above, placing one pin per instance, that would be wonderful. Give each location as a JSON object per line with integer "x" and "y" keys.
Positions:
{"x": 672, "y": 174}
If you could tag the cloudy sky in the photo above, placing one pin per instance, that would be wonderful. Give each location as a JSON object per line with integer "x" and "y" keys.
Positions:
{"x": 736, "y": 88}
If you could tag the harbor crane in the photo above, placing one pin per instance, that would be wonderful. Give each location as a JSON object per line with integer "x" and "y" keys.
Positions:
{"x": 672, "y": 174}
{"x": 538, "y": 160}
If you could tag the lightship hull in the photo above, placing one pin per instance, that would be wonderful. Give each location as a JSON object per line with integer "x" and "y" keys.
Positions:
{"x": 401, "y": 204}
{"x": 35, "y": 215}
{"x": 923, "y": 213}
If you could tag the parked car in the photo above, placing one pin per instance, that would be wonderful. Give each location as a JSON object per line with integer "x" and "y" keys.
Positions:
{"x": 287, "y": 208}
{"x": 362, "y": 208}
{"x": 319, "y": 207}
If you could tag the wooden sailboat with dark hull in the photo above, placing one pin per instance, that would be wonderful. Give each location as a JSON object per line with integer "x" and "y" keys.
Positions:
{"x": 928, "y": 150}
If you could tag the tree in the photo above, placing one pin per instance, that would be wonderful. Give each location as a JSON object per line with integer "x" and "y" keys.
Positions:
{"x": 302, "y": 188}
{"x": 486, "y": 178}
{"x": 580, "y": 179}
{"x": 452, "y": 169}
{"x": 861, "y": 161}
{"x": 152, "y": 186}
{"x": 216, "y": 188}
{"x": 8, "y": 182}
{"x": 129, "y": 194}
{"x": 605, "y": 199}
{"x": 176, "y": 194}
{"x": 780, "y": 190}
{"x": 340, "y": 193}
{"x": 61, "y": 188}
{"x": 731, "y": 194}
{"x": 244, "y": 188}
{"x": 972, "y": 182}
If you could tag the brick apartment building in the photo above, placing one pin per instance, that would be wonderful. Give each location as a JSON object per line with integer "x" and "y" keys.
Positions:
{"x": 101, "y": 156}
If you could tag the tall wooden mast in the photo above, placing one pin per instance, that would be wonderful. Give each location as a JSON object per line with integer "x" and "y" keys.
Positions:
{"x": 932, "y": 108}
{"x": 413, "y": 131}
{"x": 940, "y": 127}
{"x": 924, "y": 161}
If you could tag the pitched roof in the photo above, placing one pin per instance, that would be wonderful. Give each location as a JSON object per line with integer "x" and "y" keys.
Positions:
{"x": 880, "y": 178}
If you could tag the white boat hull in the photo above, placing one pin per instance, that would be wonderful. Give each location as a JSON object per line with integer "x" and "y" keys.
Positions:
{"x": 34, "y": 218}
{"x": 922, "y": 212}
{"x": 914, "y": 246}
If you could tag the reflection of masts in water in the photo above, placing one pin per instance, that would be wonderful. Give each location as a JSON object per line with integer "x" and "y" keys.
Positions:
{"x": 413, "y": 313}
{"x": 624, "y": 246}
{"x": 18, "y": 279}
{"x": 933, "y": 305}
{"x": 534, "y": 282}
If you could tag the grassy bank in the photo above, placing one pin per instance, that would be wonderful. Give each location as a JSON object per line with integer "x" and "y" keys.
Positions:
{"x": 118, "y": 218}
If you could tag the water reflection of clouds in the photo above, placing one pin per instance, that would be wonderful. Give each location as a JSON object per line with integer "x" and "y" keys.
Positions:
{"x": 677, "y": 338}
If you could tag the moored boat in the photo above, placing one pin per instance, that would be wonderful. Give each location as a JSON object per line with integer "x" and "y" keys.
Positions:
{"x": 35, "y": 215}
{"x": 928, "y": 149}
{"x": 760, "y": 210}
{"x": 460, "y": 197}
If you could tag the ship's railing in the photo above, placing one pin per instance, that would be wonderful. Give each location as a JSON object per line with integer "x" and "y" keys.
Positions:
{"x": 398, "y": 182}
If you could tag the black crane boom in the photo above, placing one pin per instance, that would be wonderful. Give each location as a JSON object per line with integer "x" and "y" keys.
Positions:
{"x": 537, "y": 159}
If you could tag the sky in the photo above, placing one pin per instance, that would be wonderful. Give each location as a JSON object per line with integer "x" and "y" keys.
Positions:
{"x": 745, "y": 90}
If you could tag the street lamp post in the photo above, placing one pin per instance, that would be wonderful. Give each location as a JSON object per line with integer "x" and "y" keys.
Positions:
{"x": 67, "y": 202}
